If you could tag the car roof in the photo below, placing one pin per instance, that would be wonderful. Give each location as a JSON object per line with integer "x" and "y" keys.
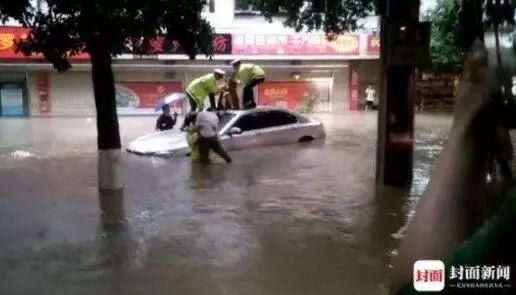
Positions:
{"x": 257, "y": 109}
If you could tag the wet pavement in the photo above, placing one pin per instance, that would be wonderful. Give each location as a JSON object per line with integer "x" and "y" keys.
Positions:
{"x": 299, "y": 219}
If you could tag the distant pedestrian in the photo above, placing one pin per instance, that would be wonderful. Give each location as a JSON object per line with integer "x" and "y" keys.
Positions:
{"x": 206, "y": 125}
{"x": 249, "y": 75}
{"x": 370, "y": 93}
{"x": 166, "y": 121}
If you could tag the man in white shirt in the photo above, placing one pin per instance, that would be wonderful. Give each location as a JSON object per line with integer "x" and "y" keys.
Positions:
{"x": 370, "y": 97}
{"x": 206, "y": 124}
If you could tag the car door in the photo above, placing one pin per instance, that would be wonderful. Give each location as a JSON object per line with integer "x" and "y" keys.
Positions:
{"x": 282, "y": 128}
{"x": 252, "y": 125}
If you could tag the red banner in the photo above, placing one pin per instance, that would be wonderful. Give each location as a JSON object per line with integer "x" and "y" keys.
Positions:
{"x": 295, "y": 44}
{"x": 7, "y": 37}
{"x": 144, "y": 94}
{"x": 43, "y": 87}
{"x": 373, "y": 44}
{"x": 221, "y": 45}
{"x": 303, "y": 96}
{"x": 354, "y": 90}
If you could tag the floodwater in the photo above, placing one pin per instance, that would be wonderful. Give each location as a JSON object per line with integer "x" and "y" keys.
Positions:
{"x": 301, "y": 219}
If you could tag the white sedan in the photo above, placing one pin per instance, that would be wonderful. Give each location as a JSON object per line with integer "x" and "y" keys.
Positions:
{"x": 242, "y": 129}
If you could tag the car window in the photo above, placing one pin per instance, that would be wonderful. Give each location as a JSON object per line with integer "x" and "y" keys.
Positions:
{"x": 261, "y": 120}
{"x": 224, "y": 120}
{"x": 279, "y": 118}
{"x": 252, "y": 121}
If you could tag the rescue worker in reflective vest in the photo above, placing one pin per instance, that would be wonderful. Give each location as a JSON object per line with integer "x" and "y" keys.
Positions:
{"x": 207, "y": 85}
{"x": 249, "y": 75}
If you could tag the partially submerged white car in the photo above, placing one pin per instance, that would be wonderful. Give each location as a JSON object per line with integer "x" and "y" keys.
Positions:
{"x": 239, "y": 129}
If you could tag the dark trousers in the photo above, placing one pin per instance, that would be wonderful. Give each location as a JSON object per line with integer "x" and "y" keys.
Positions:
{"x": 193, "y": 103}
{"x": 211, "y": 143}
{"x": 369, "y": 105}
{"x": 193, "y": 108}
{"x": 248, "y": 93}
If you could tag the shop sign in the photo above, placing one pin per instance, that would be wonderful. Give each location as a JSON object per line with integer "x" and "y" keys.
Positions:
{"x": 302, "y": 96}
{"x": 296, "y": 44}
{"x": 373, "y": 44}
{"x": 221, "y": 45}
{"x": 8, "y": 36}
{"x": 144, "y": 95}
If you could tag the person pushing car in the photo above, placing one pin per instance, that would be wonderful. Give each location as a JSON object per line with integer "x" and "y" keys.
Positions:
{"x": 206, "y": 124}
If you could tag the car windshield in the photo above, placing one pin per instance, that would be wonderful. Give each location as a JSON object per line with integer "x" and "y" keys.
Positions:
{"x": 224, "y": 119}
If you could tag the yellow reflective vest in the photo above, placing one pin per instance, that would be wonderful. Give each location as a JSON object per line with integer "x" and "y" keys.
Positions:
{"x": 248, "y": 72}
{"x": 203, "y": 86}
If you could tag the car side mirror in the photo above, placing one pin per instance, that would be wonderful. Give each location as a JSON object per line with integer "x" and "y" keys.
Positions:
{"x": 235, "y": 131}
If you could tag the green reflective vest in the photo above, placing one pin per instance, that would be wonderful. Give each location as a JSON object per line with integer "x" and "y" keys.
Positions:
{"x": 248, "y": 72}
{"x": 202, "y": 87}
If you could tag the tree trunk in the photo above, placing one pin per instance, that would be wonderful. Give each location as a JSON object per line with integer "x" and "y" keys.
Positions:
{"x": 108, "y": 139}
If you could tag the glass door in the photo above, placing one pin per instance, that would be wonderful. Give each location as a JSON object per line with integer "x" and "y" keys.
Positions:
{"x": 11, "y": 100}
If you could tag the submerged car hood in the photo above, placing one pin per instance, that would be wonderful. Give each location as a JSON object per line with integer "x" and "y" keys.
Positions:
{"x": 159, "y": 143}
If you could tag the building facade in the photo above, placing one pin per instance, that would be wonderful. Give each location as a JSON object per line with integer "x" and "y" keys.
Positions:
{"x": 304, "y": 71}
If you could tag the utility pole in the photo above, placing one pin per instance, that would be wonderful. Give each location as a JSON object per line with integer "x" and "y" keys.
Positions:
{"x": 404, "y": 46}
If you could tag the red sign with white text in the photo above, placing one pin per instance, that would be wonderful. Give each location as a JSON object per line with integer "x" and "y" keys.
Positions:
{"x": 303, "y": 96}
{"x": 296, "y": 44}
{"x": 144, "y": 94}
{"x": 221, "y": 45}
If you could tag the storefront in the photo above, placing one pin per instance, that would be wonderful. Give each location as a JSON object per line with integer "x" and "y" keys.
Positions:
{"x": 364, "y": 73}
{"x": 305, "y": 72}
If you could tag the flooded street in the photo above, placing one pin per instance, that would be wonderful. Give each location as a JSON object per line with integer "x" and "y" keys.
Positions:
{"x": 299, "y": 219}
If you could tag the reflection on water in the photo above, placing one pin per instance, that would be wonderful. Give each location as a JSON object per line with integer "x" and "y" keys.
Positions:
{"x": 281, "y": 220}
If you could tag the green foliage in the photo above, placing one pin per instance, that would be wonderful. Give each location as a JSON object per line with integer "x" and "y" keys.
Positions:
{"x": 116, "y": 26}
{"x": 445, "y": 52}
{"x": 19, "y": 9}
{"x": 333, "y": 17}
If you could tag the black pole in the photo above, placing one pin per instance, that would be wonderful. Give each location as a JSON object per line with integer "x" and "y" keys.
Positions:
{"x": 396, "y": 112}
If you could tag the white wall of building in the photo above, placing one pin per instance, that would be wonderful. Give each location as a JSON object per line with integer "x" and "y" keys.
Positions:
{"x": 224, "y": 20}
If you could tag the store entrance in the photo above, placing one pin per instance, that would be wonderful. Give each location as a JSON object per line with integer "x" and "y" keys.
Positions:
{"x": 12, "y": 100}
